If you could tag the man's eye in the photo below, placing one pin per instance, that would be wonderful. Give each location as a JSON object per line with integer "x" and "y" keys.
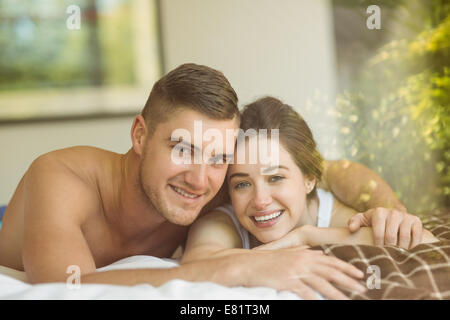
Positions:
{"x": 241, "y": 185}
{"x": 181, "y": 149}
{"x": 275, "y": 178}
{"x": 216, "y": 160}
{"x": 228, "y": 158}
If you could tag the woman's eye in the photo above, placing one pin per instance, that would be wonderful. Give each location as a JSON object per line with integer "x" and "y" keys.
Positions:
{"x": 241, "y": 185}
{"x": 276, "y": 178}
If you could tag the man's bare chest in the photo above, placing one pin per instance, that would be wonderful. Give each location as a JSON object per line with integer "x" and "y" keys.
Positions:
{"x": 108, "y": 246}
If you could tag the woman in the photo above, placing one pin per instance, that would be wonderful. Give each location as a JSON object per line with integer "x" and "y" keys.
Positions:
{"x": 276, "y": 206}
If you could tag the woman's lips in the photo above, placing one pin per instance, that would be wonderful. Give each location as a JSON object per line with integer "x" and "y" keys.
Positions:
{"x": 267, "y": 219}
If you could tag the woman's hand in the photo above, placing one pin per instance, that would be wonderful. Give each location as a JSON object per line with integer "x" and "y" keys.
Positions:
{"x": 300, "y": 270}
{"x": 298, "y": 237}
{"x": 390, "y": 227}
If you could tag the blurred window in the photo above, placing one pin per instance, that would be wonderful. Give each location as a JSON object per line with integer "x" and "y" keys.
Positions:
{"x": 50, "y": 66}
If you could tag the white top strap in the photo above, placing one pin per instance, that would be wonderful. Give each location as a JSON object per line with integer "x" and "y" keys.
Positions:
{"x": 325, "y": 208}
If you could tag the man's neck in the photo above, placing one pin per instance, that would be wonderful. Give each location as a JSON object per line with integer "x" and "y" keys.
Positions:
{"x": 131, "y": 215}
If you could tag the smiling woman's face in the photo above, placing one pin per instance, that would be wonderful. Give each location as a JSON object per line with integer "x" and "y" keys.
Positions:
{"x": 268, "y": 201}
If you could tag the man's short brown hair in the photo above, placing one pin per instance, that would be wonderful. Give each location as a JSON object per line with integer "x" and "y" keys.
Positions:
{"x": 191, "y": 86}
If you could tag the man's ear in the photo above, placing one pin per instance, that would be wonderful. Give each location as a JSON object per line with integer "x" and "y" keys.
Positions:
{"x": 138, "y": 134}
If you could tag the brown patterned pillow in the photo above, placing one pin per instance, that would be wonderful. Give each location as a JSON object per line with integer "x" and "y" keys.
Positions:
{"x": 394, "y": 273}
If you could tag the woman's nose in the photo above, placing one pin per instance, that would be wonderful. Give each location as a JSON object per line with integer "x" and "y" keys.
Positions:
{"x": 262, "y": 198}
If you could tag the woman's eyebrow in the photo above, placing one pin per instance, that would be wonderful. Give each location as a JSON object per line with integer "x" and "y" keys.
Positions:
{"x": 238, "y": 174}
{"x": 273, "y": 168}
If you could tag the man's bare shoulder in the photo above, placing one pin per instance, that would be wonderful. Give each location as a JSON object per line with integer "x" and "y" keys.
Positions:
{"x": 78, "y": 157}
{"x": 75, "y": 169}
{"x": 86, "y": 163}
{"x": 58, "y": 193}
{"x": 56, "y": 168}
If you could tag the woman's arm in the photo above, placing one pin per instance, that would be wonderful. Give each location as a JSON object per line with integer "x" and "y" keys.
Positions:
{"x": 337, "y": 232}
{"x": 317, "y": 236}
{"x": 407, "y": 238}
{"x": 359, "y": 187}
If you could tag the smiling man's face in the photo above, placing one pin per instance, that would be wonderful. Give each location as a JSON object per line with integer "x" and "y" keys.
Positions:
{"x": 180, "y": 191}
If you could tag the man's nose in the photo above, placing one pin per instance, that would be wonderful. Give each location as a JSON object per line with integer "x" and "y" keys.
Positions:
{"x": 262, "y": 198}
{"x": 196, "y": 178}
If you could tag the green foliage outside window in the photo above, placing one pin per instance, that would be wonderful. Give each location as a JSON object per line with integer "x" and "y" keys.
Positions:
{"x": 396, "y": 119}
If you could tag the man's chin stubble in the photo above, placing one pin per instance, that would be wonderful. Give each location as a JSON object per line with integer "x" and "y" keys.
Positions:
{"x": 177, "y": 216}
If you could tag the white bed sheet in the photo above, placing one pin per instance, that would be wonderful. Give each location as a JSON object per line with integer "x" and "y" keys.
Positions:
{"x": 13, "y": 288}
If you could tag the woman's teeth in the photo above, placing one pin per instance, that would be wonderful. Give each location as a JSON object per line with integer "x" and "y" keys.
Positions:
{"x": 185, "y": 194}
{"x": 268, "y": 217}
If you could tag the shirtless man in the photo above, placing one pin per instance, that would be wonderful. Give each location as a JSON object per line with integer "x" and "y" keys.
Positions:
{"x": 90, "y": 207}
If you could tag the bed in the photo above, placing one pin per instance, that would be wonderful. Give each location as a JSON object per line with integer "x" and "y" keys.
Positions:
{"x": 391, "y": 273}
{"x": 12, "y": 286}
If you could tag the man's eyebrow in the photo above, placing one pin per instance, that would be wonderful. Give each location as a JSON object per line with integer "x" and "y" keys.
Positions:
{"x": 185, "y": 143}
{"x": 190, "y": 145}
{"x": 224, "y": 155}
{"x": 273, "y": 168}
{"x": 238, "y": 174}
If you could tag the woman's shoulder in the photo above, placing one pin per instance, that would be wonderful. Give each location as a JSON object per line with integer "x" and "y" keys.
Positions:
{"x": 218, "y": 214}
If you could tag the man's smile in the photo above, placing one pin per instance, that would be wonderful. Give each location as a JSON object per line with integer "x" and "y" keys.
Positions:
{"x": 186, "y": 195}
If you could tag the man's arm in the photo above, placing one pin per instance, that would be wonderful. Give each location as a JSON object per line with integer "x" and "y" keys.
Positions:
{"x": 56, "y": 202}
{"x": 358, "y": 187}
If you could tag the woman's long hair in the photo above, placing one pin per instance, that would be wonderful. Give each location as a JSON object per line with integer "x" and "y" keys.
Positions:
{"x": 294, "y": 133}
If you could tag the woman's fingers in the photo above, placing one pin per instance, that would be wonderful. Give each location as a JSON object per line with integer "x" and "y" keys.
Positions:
{"x": 304, "y": 291}
{"x": 339, "y": 278}
{"x": 393, "y": 222}
{"x": 405, "y": 234}
{"x": 379, "y": 226}
{"x": 356, "y": 222}
{"x": 325, "y": 288}
{"x": 416, "y": 231}
{"x": 343, "y": 266}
